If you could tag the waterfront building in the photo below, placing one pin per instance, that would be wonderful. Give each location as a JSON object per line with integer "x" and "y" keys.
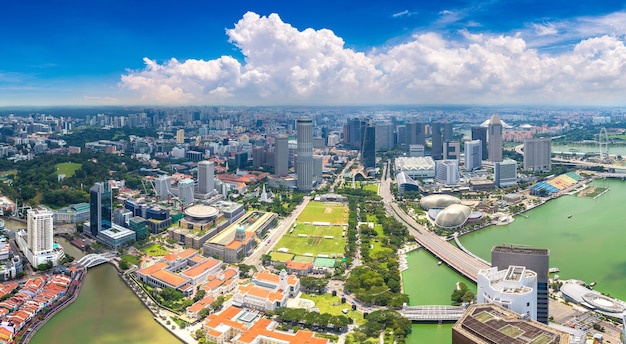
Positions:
{"x": 436, "y": 151}
{"x": 505, "y": 173}
{"x": 416, "y": 150}
{"x": 419, "y": 167}
{"x": 117, "y": 236}
{"x": 480, "y": 133}
{"x": 368, "y": 147}
{"x": 75, "y": 213}
{"x": 185, "y": 191}
{"x": 447, "y": 172}
{"x": 37, "y": 242}
{"x": 473, "y": 155}
{"x": 452, "y": 150}
{"x": 206, "y": 182}
{"x": 538, "y": 154}
{"x": 384, "y": 137}
{"x": 281, "y": 156}
{"x": 450, "y": 217}
{"x": 495, "y": 139}
{"x": 304, "y": 159}
{"x": 100, "y": 208}
{"x": 491, "y": 323}
{"x": 535, "y": 259}
{"x": 514, "y": 288}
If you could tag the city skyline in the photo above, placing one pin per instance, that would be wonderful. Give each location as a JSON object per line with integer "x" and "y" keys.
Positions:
{"x": 282, "y": 53}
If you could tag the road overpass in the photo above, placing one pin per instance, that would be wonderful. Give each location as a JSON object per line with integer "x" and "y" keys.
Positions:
{"x": 460, "y": 261}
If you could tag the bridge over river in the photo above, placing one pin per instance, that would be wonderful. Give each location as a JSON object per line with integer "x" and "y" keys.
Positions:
{"x": 94, "y": 259}
{"x": 432, "y": 313}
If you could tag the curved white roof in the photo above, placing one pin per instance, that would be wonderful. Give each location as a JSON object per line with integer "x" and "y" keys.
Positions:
{"x": 453, "y": 216}
{"x": 438, "y": 201}
{"x": 201, "y": 211}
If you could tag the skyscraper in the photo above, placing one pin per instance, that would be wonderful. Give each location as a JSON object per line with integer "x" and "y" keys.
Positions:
{"x": 415, "y": 134}
{"x": 180, "y": 136}
{"x": 452, "y": 150}
{"x": 206, "y": 183}
{"x": 368, "y": 148}
{"x": 447, "y": 132}
{"x": 185, "y": 191}
{"x": 40, "y": 235}
{"x": 447, "y": 171}
{"x": 281, "y": 156}
{"x": 495, "y": 139}
{"x": 436, "y": 150}
{"x": 162, "y": 185}
{"x": 100, "y": 208}
{"x": 304, "y": 159}
{"x": 538, "y": 154}
{"x": 480, "y": 133}
{"x": 473, "y": 154}
{"x": 535, "y": 259}
{"x": 505, "y": 173}
{"x": 384, "y": 137}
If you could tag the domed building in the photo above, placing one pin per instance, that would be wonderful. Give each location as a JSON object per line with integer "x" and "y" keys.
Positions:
{"x": 453, "y": 216}
{"x": 438, "y": 201}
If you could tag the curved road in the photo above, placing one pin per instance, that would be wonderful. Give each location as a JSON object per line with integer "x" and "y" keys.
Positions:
{"x": 451, "y": 255}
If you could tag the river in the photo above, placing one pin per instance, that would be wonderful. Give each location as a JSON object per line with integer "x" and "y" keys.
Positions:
{"x": 106, "y": 311}
{"x": 587, "y": 246}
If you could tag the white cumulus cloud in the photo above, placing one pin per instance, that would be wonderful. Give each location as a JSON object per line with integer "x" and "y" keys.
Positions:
{"x": 285, "y": 65}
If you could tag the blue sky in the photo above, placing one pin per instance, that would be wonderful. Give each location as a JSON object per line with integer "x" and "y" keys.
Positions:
{"x": 304, "y": 52}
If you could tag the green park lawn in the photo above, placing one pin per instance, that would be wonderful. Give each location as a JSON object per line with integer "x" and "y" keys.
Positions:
{"x": 371, "y": 187}
{"x": 131, "y": 259}
{"x": 320, "y": 212}
{"x": 67, "y": 168}
{"x": 314, "y": 242}
{"x": 154, "y": 250}
{"x": 332, "y": 305}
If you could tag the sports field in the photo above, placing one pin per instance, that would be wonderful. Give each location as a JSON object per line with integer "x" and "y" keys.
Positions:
{"x": 311, "y": 239}
{"x": 67, "y": 168}
{"x": 324, "y": 212}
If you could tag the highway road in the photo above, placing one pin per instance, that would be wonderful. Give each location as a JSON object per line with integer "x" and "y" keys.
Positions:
{"x": 451, "y": 255}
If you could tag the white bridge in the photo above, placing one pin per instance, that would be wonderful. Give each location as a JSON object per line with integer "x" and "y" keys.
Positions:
{"x": 432, "y": 313}
{"x": 94, "y": 259}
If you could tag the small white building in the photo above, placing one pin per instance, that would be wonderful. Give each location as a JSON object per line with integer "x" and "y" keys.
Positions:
{"x": 514, "y": 288}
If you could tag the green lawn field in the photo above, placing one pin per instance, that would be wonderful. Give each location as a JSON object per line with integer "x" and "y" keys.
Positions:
{"x": 321, "y": 212}
{"x": 154, "y": 250}
{"x": 67, "y": 168}
{"x": 332, "y": 305}
{"x": 371, "y": 187}
{"x": 311, "y": 240}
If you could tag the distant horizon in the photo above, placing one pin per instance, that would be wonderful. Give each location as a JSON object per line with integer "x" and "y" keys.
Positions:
{"x": 268, "y": 53}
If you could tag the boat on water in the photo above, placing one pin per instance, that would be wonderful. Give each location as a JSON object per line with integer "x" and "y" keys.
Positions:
{"x": 439, "y": 262}
{"x": 592, "y": 284}
{"x": 569, "y": 216}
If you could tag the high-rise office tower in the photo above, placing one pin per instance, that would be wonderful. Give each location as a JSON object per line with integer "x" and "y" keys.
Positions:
{"x": 538, "y": 154}
{"x": 480, "y": 133}
{"x": 100, "y": 208}
{"x": 368, "y": 148}
{"x": 473, "y": 155}
{"x": 206, "y": 182}
{"x": 505, "y": 173}
{"x": 447, "y": 172}
{"x": 40, "y": 234}
{"x": 162, "y": 185}
{"x": 281, "y": 155}
{"x": 185, "y": 191}
{"x": 415, "y": 134}
{"x": 401, "y": 135}
{"x": 447, "y": 132}
{"x": 495, "y": 139}
{"x": 436, "y": 150}
{"x": 384, "y": 137}
{"x": 304, "y": 159}
{"x": 318, "y": 169}
{"x": 352, "y": 134}
{"x": 452, "y": 150}
{"x": 535, "y": 259}
{"x": 180, "y": 136}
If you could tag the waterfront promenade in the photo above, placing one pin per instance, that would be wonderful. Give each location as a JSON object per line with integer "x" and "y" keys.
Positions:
{"x": 460, "y": 261}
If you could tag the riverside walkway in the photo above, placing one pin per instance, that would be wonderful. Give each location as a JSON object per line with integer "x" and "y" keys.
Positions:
{"x": 460, "y": 261}
{"x": 432, "y": 313}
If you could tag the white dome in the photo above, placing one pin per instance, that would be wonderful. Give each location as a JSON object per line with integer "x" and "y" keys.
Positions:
{"x": 438, "y": 201}
{"x": 453, "y": 216}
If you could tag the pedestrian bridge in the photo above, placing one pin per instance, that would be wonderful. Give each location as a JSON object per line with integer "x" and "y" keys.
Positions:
{"x": 432, "y": 313}
{"x": 94, "y": 259}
